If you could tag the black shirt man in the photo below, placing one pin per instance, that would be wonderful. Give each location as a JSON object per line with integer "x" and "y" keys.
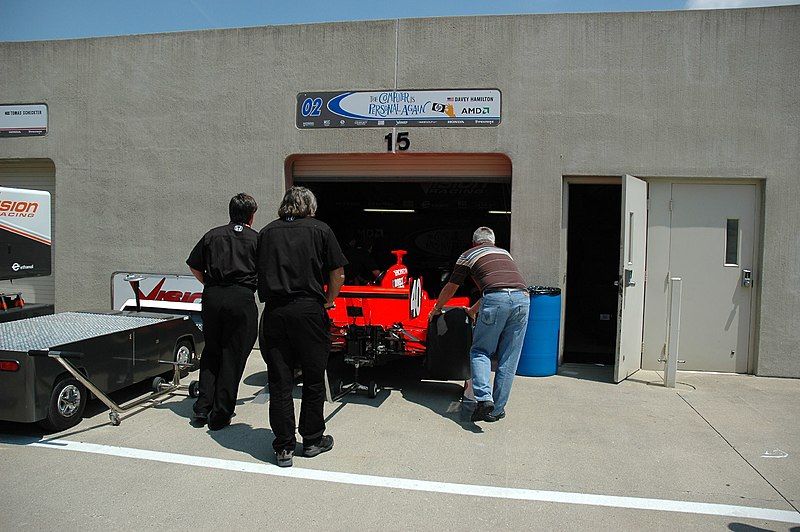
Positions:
{"x": 297, "y": 256}
{"x": 224, "y": 260}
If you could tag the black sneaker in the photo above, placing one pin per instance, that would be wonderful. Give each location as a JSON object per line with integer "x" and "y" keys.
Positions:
{"x": 482, "y": 409}
{"x": 215, "y": 423}
{"x": 324, "y": 445}
{"x": 491, "y": 418}
{"x": 198, "y": 421}
{"x": 284, "y": 458}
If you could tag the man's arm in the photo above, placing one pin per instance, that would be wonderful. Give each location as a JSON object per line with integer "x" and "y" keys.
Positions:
{"x": 472, "y": 311}
{"x": 335, "y": 282}
{"x": 198, "y": 275}
{"x": 445, "y": 295}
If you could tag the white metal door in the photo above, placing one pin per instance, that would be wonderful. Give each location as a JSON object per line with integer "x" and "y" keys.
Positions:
{"x": 712, "y": 232}
{"x": 633, "y": 250}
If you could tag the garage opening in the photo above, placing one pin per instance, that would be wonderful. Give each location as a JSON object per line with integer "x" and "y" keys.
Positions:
{"x": 426, "y": 204}
{"x": 593, "y": 239}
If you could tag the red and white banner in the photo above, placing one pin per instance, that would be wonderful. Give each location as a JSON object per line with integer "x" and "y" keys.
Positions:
{"x": 171, "y": 287}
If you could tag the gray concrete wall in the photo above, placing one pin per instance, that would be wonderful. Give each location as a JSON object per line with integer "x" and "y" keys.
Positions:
{"x": 151, "y": 134}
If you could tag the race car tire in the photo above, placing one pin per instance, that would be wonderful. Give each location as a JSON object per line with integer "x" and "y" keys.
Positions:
{"x": 448, "y": 343}
{"x": 66, "y": 406}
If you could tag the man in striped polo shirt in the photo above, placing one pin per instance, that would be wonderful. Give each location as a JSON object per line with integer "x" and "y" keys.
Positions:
{"x": 500, "y": 323}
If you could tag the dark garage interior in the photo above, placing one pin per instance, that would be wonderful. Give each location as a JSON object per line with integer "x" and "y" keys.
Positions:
{"x": 593, "y": 237}
{"x": 433, "y": 221}
{"x": 427, "y": 204}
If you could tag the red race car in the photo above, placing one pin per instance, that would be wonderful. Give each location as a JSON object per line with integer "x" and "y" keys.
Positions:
{"x": 387, "y": 320}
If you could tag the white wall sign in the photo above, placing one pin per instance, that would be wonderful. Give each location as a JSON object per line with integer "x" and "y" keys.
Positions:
{"x": 425, "y": 108}
{"x": 23, "y": 120}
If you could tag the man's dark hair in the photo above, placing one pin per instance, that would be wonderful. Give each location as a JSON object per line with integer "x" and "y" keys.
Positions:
{"x": 242, "y": 207}
{"x": 298, "y": 202}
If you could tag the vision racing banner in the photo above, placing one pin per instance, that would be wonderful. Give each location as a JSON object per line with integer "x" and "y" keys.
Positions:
{"x": 171, "y": 287}
{"x": 408, "y": 108}
{"x": 25, "y": 245}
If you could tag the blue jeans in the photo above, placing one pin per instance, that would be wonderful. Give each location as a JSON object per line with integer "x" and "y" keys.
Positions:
{"x": 500, "y": 330}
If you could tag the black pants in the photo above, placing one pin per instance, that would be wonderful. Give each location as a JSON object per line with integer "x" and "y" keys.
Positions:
{"x": 230, "y": 327}
{"x": 298, "y": 331}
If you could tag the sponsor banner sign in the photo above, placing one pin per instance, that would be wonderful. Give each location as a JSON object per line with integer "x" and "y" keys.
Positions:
{"x": 25, "y": 246}
{"x": 23, "y": 120}
{"x": 156, "y": 287}
{"x": 407, "y": 108}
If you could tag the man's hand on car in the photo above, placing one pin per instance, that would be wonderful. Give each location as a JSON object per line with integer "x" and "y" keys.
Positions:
{"x": 435, "y": 312}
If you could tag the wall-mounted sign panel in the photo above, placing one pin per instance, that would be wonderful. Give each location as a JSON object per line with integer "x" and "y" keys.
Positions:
{"x": 24, "y": 233}
{"x": 23, "y": 120}
{"x": 434, "y": 108}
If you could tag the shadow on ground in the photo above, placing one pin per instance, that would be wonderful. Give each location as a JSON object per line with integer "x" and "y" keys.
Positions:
{"x": 244, "y": 438}
{"x": 408, "y": 377}
{"x": 588, "y": 372}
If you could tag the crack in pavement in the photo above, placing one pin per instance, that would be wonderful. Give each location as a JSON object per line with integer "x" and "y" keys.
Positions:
{"x": 740, "y": 454}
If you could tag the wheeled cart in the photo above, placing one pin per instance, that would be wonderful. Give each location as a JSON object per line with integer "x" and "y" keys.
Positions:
{"x": 161, "y": 387}
{"x": 50, "y": 364}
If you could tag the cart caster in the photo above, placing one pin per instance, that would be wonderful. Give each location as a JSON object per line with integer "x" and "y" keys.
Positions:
{"x": 372, "y": 390}
{"x": 194, "y": 389}
{"x": 157, "y": 382}
{"x": 338, "y": 387}
{"x": 114, "y": 417}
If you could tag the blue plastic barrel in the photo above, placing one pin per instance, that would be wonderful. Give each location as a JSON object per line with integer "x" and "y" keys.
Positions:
{"x": 539, "y": 357}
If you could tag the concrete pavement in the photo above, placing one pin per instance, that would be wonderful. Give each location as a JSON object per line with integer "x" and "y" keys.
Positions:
{"x": 717, "y": 439}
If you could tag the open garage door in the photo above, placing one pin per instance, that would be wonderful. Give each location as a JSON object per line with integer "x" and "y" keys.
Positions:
{"x": 423, "y": 167}
{"x": 427, "y": 204}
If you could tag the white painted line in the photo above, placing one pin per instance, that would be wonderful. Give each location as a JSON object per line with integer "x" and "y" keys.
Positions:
{"x": 612, "y": 501}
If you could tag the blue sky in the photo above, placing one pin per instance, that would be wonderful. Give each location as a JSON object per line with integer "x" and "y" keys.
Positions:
{"x": 25, "y": 20}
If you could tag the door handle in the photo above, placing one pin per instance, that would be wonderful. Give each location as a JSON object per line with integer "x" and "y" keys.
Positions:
{"x": 629, "y": 278}
{"x": 747, "y": 278}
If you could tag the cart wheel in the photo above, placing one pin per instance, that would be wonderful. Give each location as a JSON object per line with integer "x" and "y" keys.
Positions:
{"x": 338, "y": 387}
{"x": 114, "y": 417}
{"x": 194, "y": 390}
{"x": 157, "y": 382}
{"x": 184, "y": 353}
{"x": 372, "y": 390}
{"x": 67, "y": 401}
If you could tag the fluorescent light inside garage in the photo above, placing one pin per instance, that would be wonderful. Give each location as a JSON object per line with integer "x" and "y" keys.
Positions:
{"x": 389, "y": 210}
{"x": 499, "y": 212}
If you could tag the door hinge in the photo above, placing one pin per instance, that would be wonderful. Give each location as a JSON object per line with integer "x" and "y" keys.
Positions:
{"x": 671, "y": 205}
{"x": 642, "y": 351}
